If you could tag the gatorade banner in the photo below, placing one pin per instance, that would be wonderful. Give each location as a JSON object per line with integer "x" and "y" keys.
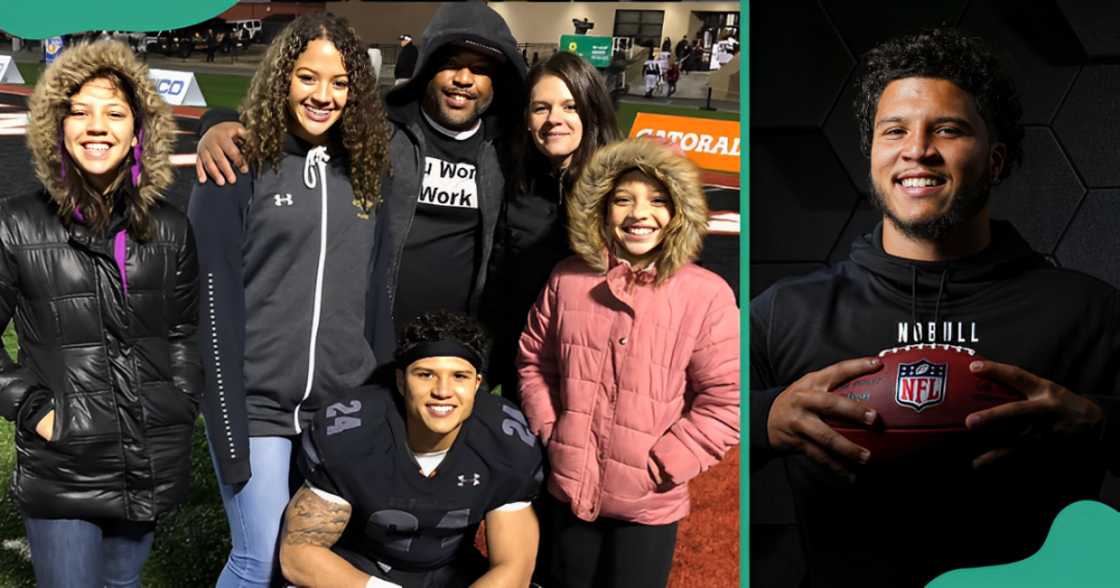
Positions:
{"x": 9, "y": 74}
{"x": 178, "y": 88}
{"x": 711, "y": 144}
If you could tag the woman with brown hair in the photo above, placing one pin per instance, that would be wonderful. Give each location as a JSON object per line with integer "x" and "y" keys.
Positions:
{"x": 568, "y": 117}
{"x": 283, "y": 251}
{"x": 101, "y": 277}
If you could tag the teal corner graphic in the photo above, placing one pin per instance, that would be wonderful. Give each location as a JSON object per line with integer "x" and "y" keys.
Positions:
{"x": 32, "y": 19}
{"x": 1080, "y": 551}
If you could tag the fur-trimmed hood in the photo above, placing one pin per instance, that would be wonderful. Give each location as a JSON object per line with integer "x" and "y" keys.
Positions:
{"x": 685, "y": 232}
{"x": 474, "y": 25}
{"x": 50, "y": 102}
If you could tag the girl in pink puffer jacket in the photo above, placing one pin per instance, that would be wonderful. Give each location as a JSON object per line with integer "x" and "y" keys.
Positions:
{"x": 629, "y": 369}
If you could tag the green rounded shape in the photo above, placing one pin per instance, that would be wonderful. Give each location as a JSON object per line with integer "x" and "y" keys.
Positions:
{"x": 1080, "y": 551}
{"x": 35, "y": 19}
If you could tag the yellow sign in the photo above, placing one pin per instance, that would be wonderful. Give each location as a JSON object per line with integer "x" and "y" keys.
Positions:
{"x": 711, "y": 144}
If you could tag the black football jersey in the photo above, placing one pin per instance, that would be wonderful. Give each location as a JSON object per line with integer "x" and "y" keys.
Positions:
{"x": 357, "y": 449}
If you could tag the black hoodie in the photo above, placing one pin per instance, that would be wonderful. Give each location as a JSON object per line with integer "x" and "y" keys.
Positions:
{"x": 904, "y": 525}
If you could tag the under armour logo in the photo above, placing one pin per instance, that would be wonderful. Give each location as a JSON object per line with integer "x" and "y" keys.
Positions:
{"x": 283, "y": 200}
{"x": 474, "y": 481}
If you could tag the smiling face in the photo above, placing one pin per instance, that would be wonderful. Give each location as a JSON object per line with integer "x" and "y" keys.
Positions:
{"x": 98, "y": 131}
{"x": 461, "y": 89}
{"x": 554, "y": 122}
{"x": 318, "y": 91}
{"x": 438, "y": 395}
{"x": 932, "y": 158}
{"x": 638, "y": 210}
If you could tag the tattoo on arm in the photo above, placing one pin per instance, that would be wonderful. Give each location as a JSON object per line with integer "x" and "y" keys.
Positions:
{"x": 310, "y": 520}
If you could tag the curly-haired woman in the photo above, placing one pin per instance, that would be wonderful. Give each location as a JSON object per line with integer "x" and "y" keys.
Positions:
{"x": 283, "y": 252}
{"x": 101, "y": 277}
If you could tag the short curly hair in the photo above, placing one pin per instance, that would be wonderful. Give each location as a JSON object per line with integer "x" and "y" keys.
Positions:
{"x": 948, "y": 54}
{"x": 443, "y": 325}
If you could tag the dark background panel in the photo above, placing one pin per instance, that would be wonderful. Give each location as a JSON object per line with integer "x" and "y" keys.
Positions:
{"x": 1089, "y": 122}
{"x": 763, "y": 275}
{"x": 1040, "y": 51}
{"x": 861, "y": 24}
{"x": 808, "y": 180}
{"x": 803, "y": 189}
{"x": 1092, "y": 240}
{"x": 1086, "y": 18}
{"x": 1041, "y": 196}
{"x": 800, "y": 54}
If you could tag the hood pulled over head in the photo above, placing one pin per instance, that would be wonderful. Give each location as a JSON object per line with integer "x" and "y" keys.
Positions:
{"x": 475, "y": 26}
{"x": 587, "y": 205}
{"x": 50, "y": 103}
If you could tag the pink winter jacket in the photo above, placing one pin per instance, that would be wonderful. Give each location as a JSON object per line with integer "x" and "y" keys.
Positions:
{"x": 619, "y": 375}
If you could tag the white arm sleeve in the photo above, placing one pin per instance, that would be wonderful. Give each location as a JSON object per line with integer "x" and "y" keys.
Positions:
{"x": 512, "y": 506}
{"x": 327, "y": 495}
{"x": 379, "y": 583}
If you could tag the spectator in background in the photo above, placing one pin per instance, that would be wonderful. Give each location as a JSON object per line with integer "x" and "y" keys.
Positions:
{"x": 406, "y": 60}
{"x": 672, "y": 74}
{"x": 651, "y": 71}
{"x": 211, "y": 45}
{"x": 682, "y": 48}
{"x": 667, "y": 45}
{"x": 695, "y": 56}
{"x": 536, "y": 58}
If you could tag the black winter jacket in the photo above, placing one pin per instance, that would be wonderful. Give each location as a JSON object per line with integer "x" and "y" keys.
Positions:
{"x": 121, "y": 371}
{"x": 903, "y": 525}
{"x": 532, "y": 238}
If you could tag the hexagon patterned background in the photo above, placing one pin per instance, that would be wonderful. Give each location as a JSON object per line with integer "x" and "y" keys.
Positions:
{"x": 809, "y": 193}
{"x": 809, "y": 188}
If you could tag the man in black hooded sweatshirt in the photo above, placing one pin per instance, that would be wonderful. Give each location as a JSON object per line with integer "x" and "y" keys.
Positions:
{"x": 940, "y": 122}
{"x": 444, "y": 195}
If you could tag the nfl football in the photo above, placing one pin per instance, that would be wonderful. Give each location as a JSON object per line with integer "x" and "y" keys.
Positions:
{"x": 922, "y": 394}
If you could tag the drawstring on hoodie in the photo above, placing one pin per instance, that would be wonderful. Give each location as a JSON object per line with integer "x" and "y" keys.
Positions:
{"x": 314, "y": 170}
{"x": 316, "y": 158}
{"x": 914, "y": 296}
{"x": 940, "y": 292}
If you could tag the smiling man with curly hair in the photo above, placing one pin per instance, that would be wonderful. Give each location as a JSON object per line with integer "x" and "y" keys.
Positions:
{"x": 939, "y": 120}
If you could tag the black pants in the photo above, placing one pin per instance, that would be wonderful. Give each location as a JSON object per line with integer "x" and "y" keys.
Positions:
{"x": 606, "y": 553}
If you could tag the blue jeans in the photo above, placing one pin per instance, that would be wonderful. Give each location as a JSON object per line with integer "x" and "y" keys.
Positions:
{"x": 77, "y": 553}
{"x": 254, "y": 511}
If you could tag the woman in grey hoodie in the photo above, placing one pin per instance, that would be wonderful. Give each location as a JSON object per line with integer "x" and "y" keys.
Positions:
{"x": 284, "y": 254}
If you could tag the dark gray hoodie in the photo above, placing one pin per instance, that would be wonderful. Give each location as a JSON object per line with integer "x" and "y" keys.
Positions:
{"x": 283, "y": 254}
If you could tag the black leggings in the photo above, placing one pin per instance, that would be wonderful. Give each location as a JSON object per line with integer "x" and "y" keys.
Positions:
{"x": 606, "y": 553}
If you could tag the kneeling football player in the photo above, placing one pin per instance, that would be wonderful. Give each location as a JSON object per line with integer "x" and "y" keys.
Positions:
{"x": 399, "y": 480}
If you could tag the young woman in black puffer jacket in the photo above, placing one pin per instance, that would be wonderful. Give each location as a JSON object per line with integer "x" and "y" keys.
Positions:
{"x": 101, "y": 277}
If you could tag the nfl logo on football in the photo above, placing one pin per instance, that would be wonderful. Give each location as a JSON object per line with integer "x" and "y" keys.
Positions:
{"x": 920, "y": 385}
